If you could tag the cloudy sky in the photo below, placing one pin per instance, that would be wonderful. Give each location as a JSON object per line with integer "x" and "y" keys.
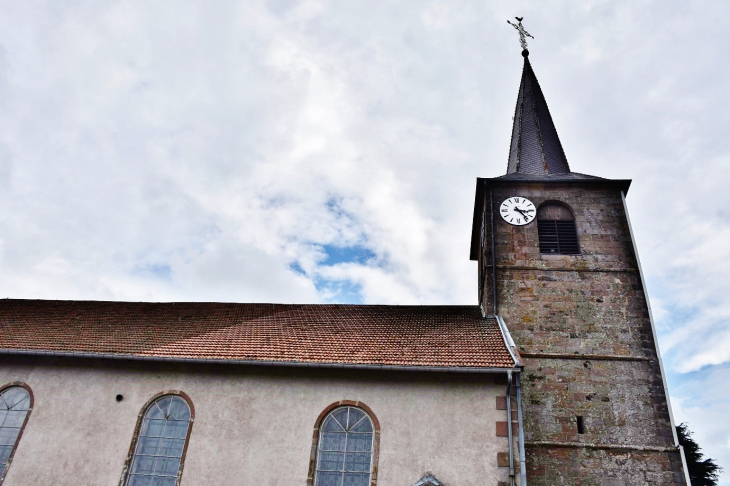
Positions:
{"x": 304, "y": 151}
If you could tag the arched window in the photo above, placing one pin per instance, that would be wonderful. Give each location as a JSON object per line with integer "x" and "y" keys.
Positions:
{"x": 157, "y": 452}
{"x": 346, "y": 443}
{"x": 556, "y": 230}
{"x": 16, "y": 402}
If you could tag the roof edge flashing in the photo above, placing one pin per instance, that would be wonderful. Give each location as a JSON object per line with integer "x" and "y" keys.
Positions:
{"x": 297, "y": 364}
{"x": 508, "y": 341}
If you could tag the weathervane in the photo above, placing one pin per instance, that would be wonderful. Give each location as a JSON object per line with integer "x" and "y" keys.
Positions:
{"x": 522, "y": 31}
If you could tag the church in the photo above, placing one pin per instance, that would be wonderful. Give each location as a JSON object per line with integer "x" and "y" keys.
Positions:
{"x": 552, "y": 377}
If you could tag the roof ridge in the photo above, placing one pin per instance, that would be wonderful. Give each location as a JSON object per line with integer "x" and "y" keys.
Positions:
{"x": 202, "y": 303}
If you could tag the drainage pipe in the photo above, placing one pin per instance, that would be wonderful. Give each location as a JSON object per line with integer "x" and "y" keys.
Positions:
{"x": 494, "y": 253}
{"x": 521, "y": 439}
{"x": 509, "y": 430}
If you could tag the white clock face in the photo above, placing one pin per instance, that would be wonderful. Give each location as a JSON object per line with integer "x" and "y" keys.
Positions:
{"x": 518, "y": 211}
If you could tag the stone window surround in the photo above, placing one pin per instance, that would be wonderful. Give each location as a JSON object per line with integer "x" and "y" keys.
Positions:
{"x": 22, "y": 428}
{"x": 315, "y": 438}
{"x": 140, "y": 416}
{"x": 555, "y": 202}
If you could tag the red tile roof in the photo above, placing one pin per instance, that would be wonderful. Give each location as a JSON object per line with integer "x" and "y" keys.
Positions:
{"x": 433, "y": 336}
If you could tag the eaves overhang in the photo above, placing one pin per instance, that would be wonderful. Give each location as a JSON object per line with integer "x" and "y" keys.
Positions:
{"x": 243, "y": 362}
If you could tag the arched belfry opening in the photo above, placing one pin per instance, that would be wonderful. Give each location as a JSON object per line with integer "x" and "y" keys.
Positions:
{"x": 557, "y": 230}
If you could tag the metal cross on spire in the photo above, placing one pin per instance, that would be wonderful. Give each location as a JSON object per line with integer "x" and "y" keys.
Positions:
{"x": 522, "y": 31}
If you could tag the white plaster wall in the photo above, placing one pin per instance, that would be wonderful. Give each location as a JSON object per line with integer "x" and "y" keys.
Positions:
{"x": 253, "y": 425}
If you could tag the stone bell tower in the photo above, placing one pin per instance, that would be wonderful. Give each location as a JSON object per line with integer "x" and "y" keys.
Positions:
{"x": 557, "y": 261}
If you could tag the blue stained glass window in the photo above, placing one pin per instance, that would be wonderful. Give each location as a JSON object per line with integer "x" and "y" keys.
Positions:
{"x": 160, "y": 443}
{"x": 345, "y": 448}
{"x": 14, "y": 407}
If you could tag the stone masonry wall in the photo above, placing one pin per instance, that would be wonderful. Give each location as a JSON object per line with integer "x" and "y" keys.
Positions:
{"x": 586, "y": 467}
{"x": 582, "y": 325}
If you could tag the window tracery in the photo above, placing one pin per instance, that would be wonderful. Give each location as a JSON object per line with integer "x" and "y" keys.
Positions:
{"x": 345, "y": 448}
{"x": 16, "y": 402}
{"x": 159, "y": 447}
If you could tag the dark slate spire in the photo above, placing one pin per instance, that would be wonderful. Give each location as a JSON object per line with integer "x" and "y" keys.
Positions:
{"x": 535, "y": 148}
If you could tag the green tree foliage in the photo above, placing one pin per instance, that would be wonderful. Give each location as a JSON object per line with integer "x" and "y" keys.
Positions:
{"x": 701, "y": 472}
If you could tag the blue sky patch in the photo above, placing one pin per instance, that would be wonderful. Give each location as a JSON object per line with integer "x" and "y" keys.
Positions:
{"x": 346, "y": 254}
{"x": 297, "y": 268}
{"x": 339, "y": 292}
